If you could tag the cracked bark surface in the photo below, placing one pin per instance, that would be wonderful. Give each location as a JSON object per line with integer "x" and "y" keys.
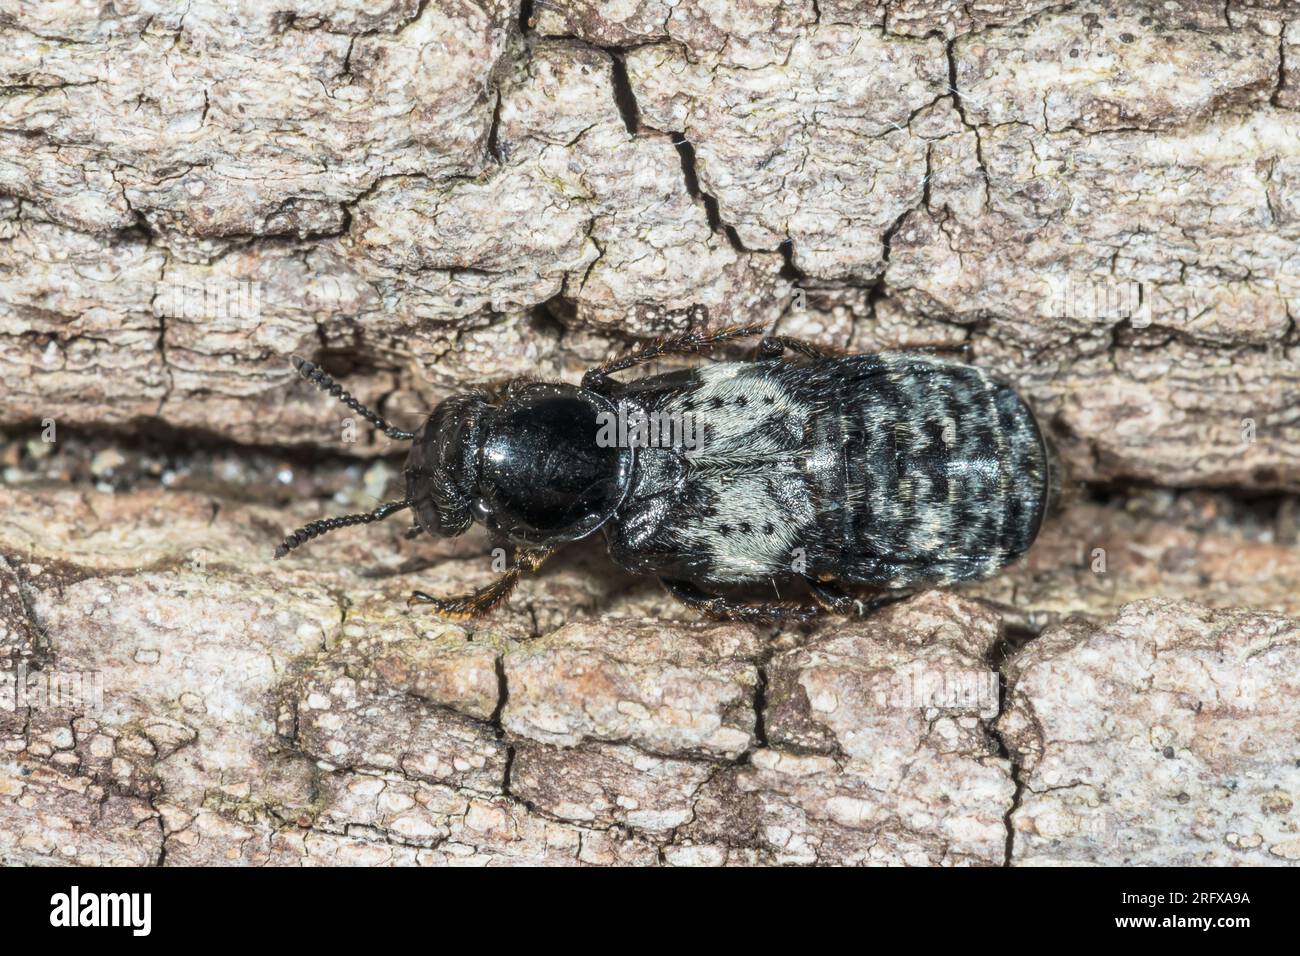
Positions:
{"x": 427, "y": 195}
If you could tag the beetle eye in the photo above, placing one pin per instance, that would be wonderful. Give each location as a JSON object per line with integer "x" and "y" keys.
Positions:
{"x": 453, "y": 517}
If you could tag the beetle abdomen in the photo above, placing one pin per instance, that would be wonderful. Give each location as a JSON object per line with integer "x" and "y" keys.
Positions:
{"x": 894, "y": 470}
{"x": 946, "y": 472}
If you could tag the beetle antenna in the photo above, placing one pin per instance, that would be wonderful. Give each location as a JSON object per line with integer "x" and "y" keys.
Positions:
{"x": 315, "y": 528}
{"x": 316, "y": 375}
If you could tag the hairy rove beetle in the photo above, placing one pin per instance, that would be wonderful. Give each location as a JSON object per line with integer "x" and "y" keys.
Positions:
{"x": 892, "y": 471}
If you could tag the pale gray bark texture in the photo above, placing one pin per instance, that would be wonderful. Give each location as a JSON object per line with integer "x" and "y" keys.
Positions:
{"x": 1100, "y": 201}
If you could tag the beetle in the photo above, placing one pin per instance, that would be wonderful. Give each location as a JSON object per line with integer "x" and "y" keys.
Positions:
{"x": 890, "y": 472}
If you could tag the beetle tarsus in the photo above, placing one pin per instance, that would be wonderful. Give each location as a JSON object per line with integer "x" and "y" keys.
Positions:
{"x": 686, "y": 343}
{"x": 834, "y": 600}
{"x": 774, "y": 346}
{"x": 485, "y": 599}
{"x": 726, "y": 609}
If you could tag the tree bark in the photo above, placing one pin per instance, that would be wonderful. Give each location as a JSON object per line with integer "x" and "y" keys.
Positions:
{"x": 1099, "y": 202}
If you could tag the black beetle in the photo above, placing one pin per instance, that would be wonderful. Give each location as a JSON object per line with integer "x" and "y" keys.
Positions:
{"x": 892, "y": 471}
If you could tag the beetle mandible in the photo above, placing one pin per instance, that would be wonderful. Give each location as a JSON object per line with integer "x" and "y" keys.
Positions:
{"x": 889, "y": 471}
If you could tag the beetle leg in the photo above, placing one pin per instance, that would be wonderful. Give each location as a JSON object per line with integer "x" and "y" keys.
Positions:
{"x": 687, "y": 343}
{"x": 485, "y": 599}
{"x": 467, "y": 606}
{"x": 959, "y": 348}
{"x": 831, "y": 599}
{"x": 774, "y": 346}
{"x": 725, "y": 609}
{"x": 834, "y": 600}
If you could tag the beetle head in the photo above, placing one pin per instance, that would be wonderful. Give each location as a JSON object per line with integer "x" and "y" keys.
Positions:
{"x": 531, "y": 466}
{"x": 441, "y": 470}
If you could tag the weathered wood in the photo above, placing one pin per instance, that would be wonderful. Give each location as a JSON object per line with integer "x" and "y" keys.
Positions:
{"x": 1099, "y": 201}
